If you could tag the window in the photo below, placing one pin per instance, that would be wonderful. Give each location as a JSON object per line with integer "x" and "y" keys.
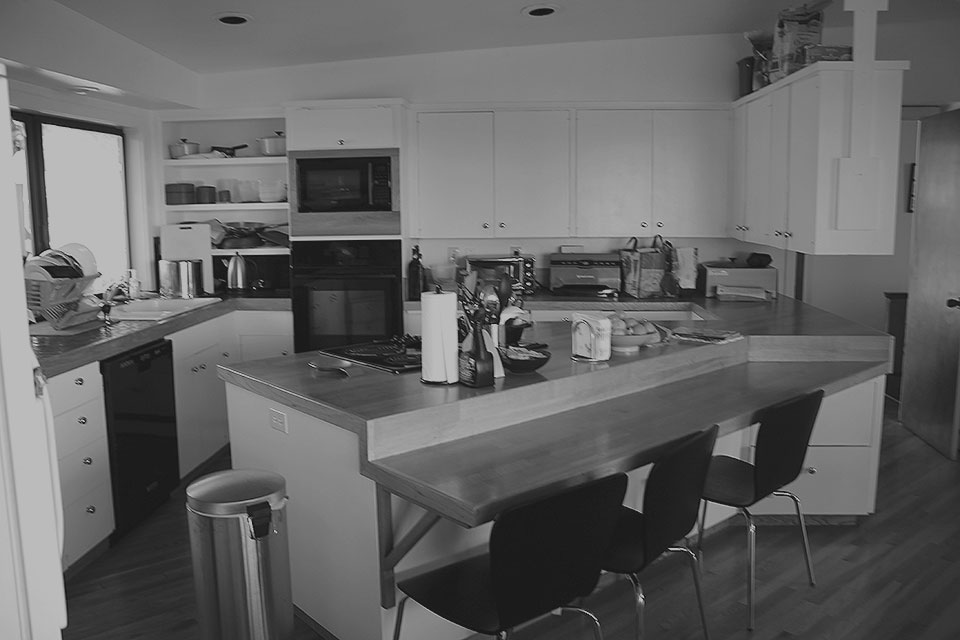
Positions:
{"x": 71, "y": 188}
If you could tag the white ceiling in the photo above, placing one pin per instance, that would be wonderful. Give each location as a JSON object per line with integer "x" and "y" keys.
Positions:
{"x": 293, "y": 32}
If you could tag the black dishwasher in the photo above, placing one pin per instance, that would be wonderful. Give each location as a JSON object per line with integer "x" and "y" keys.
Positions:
{"x": 141, "y": 431}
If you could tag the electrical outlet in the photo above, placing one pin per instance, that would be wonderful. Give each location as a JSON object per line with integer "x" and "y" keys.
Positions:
{"x": 516, "y": 250}
{"x": 453, "y": 254}
{"x": 278, "y": 420}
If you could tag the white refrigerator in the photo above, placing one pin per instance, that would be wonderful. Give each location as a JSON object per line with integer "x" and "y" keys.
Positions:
{"x": 32, "y": 601}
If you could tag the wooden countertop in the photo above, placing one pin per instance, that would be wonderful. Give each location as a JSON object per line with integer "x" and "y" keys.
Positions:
{"x": 467, "y": 453}
{"x": 59, "y": 354}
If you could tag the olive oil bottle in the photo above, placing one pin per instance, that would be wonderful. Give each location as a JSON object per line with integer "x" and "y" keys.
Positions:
{"x": 476, "y": 364}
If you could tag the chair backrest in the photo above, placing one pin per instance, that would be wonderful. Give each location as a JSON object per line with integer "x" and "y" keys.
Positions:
{"x": 671, "y": 498}
{"x": 547, "y": 553}
{"x": 782, "y": 441}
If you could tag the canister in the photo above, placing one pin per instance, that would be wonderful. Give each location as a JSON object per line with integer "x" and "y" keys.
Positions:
{"x": 180, "y": 278}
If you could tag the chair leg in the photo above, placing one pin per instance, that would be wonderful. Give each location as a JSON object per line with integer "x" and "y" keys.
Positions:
{"x": 396, "y": 624}
{"x": 695, "y": 569}
{"x": 700, "y": 526}
{"x": 751, "y": 564}
{"x": 640, "y": 602}
{"x": 597, "y": 630}
{"x": 803, "y": 533}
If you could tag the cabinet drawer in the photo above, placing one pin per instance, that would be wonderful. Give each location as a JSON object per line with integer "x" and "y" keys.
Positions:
{"x": 80, "y": 426}
{"x": 75, "y": 387}
{"x": 86, "y": 521}
{"x": 84, "y": 469}
{"x": 834, "y": 481}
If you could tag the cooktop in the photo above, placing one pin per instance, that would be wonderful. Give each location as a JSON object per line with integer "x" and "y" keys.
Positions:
{"x": 396, "y": 355}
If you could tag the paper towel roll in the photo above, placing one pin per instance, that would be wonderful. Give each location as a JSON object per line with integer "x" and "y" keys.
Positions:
{"x": 439, "y": 346}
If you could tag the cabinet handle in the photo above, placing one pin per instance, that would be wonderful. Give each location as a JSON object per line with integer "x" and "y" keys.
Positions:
{"x": 787, "y": 234}
{"x": 777, "y": 234}
{"x": 82, "y": 420}
{"x": 284, "y": 353}
{"x": 746, "y": 228}
{"x": 659, "y": 224}
{"x": 78, "y": 382}
{"x": 811, "y": 470}
{"x": 195, "y": 369}
{"x": 643, "y": 225}
{"x": 485, "y": 225}
{"x": 225, "y": 354}
{"x": 502, "y": 225}
{"x": 340, "y": 142}
{"x": 203, "y": 366}
{"x": 91, "y": 509}
{"x": 88, "y": 461}
{"x": 738, "y": 228}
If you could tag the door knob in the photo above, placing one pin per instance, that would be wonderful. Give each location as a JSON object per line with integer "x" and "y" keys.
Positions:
{"x": 953, "y": 302}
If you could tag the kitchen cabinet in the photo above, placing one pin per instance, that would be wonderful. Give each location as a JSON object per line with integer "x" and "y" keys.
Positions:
{"x": 839, "y": 476}
{"x": 690, "y": 176}
{"x": 263, "y": 334}
{"x": 812, "y": 178}
{"x": 493, "y": 174}
{"x": 200, "y": 396}
{"x": 344, "y": 124}
{"x": 614, "y": 162}
{"x": 80, "y": 429}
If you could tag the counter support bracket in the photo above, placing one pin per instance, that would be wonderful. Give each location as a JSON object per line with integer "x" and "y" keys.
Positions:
{"x": 390, "y": 553}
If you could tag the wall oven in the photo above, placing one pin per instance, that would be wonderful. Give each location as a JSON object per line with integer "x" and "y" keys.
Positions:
{"x": 345, "y": 291}
{"x": 344, "y": 192}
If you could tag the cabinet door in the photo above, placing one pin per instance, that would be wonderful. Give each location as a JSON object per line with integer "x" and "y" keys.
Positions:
{"x": 737, "y": 221}
{"x": 340, "y": 128}
{"x": 614, "y": 172}
{"x": 690, "y": 181}
{"x": 803, "y": 203}
{"x": 455, "y": 175}
{"x": 777, "y": 225}
{"x": 757, "y": 170}
{"x": 532, "y": 174}
{"x": 201, "y": 408}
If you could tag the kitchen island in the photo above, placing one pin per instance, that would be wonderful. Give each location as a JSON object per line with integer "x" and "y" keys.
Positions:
{"x": 387, "y": 475}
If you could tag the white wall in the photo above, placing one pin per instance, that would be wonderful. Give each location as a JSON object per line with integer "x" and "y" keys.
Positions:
{"x": 45, "y": 35}
{"x": 683, "y": 69}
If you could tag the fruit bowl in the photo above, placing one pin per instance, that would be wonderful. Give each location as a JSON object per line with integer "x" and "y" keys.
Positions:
{"x": 634, "y": 341}
{"x": 520, "y": 360}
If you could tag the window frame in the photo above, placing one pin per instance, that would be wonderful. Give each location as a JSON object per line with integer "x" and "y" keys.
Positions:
{"x": 33, "y": 122}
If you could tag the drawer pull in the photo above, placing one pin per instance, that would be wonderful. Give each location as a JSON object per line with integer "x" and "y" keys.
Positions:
{"x": 91, "y": 509}
{"x": 340, "y": 142}
{"x": 195, "y": 369}
{"x": 284, "y": 353}
{"x": 203, "y": 366}
{"x": 88, "y": 460}
{"x": 82, "y": 420}
{"x": 811, "y": 470}
{"x": 643, "y": 225}
{"x": 660, "y": 224}
{"x": 226, "y": 354}
{"x": 78, "y": 382}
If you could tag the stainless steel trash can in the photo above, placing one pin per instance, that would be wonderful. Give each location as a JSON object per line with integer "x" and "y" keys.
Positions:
{"x": 241, "y": 558}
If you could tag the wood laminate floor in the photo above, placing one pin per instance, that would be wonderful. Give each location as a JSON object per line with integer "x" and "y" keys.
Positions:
{"x": 894, "y": 576}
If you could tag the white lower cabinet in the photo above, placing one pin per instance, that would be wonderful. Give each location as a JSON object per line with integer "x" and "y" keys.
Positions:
{"x": 263, "y": 334}
{"x": 200, "y": 397}
{"x": 84, "y": 460}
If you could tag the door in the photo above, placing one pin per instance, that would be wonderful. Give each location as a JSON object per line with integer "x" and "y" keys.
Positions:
{"x": 930, "y": 357}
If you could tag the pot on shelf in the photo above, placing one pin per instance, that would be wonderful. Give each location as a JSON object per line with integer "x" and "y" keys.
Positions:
{"x": 273, "y": 145}
{"x": 183, "y": 148}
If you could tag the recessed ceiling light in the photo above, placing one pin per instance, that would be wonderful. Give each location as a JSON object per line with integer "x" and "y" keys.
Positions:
{"x": 233, "y": 19}
{"x": 539, "y": 10}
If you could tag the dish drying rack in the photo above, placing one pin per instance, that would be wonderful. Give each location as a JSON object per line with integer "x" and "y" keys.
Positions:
{"x": 60, "y": 301}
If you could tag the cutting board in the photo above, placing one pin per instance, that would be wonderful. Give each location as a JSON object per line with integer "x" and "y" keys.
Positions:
{"x": 189, "y": 242}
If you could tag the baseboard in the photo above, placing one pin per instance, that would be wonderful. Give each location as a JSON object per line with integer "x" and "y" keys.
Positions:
{"x": 315, "y": 626}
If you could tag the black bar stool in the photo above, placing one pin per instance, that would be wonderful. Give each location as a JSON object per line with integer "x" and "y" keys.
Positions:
{"x": 781, "y": 446}
{"x": 671, "y": 500}
{"x": 541, "y": 557}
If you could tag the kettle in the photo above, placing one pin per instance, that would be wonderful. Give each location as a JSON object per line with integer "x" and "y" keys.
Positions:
{"x": 237, "y": 273}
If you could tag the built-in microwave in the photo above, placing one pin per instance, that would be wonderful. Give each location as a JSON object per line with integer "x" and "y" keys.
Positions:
{"x": 344, "y": 192}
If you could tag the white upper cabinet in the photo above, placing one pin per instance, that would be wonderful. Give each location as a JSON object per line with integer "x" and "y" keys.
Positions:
{"x": 827, "y": 182}
{"x": 455, "y": 175}
{"x": 690, "y": 177}
{"x": 614, "y": 171}
{"x": 343, "y": 124}
{"x": 532, "y": 174}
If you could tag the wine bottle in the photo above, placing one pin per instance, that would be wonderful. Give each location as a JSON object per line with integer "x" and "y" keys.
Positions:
{"x": 416, "y": 278}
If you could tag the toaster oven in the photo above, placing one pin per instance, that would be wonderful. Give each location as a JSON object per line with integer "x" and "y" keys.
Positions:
{"x": 519, "y": 268}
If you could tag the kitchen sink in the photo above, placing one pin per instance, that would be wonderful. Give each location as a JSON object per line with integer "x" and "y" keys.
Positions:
{"x": 158, "y": 308}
